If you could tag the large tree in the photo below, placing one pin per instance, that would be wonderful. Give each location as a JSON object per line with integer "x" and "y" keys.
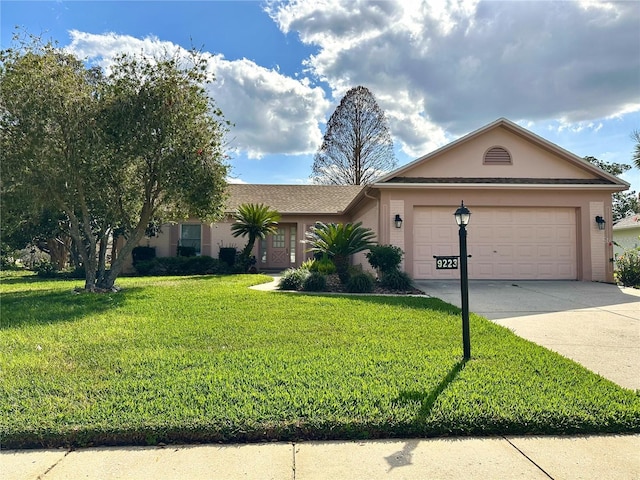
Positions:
{"x": 357, "y": 146}
{"x": 623, "y": 203}
{"x": 111, "y": 153}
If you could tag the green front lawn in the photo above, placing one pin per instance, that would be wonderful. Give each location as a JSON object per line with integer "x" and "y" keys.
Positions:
{"x": 205, "y": 359}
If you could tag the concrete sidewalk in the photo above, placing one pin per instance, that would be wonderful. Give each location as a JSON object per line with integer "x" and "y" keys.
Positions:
{"x": 595, "y": 324}
{"x": 593, "y": 457}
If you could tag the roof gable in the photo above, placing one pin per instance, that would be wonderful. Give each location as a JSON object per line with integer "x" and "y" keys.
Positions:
{"x": 534, "y": 161}
{"x": 294, "y": 199}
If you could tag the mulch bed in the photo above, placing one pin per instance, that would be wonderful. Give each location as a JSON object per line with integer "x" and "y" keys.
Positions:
{"x": 334, "y": 286}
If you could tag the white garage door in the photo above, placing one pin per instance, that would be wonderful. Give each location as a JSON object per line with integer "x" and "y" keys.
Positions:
{"x": 505, "y": 243}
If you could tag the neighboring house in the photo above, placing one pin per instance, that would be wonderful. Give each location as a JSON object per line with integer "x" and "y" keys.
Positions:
{"x": 533, "y": 211}
{"x": 626, "y": 234}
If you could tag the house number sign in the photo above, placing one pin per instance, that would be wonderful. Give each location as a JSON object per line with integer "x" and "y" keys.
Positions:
{"x": 446, "y": 263}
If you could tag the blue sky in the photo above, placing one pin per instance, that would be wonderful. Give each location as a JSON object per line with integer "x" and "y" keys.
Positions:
{"x": 569, "y": 71}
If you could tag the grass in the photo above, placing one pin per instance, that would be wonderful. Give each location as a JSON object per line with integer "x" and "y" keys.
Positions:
{"x": 205, "y": 359}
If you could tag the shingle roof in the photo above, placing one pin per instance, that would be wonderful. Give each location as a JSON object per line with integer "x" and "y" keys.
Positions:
{"x": 498, "y": 180}
{"x": 290, "y": 199}
{"x": 632, "y": 221}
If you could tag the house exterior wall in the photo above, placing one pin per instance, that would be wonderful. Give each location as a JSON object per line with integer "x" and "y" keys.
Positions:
{"x": 219, "y": 234}
{"x": 529, "y": 161}
{"x": 625, "y": 239}
{"x": 368, "y": 214}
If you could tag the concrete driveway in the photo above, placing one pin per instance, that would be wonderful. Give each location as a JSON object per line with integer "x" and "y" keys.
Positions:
{"x": 595, "y": 324}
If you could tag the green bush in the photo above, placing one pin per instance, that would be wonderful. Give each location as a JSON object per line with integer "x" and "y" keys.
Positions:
{"x": 396, "y": 280}
{"x": 78, "y": 272}
{"x": 628, "y": 268}
{"x": 143, "y": 254}
{"x": 45, "y": 269}
{"x": 227, "y": 255}
{"x": 360, "y": 283}
{"x": 202, "y": 265}
{"x": 150, "y": 268}
{"x": 385, "y": 258}
{"x": 184, "y": 251}
{"x": 310, "y": 264}
{"x": 7, "y": 257}
{"x": 325, "y": 266}
{"x": 293, "y": 279}
{"x": 315, "y": 282}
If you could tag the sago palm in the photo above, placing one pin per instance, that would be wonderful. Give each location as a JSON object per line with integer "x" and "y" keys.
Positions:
{"x": 255, "y": 221}
{"x": 339, "y": 241}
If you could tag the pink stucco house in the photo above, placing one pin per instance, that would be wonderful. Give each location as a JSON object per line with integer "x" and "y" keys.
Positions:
{"x": 533, "y": 211}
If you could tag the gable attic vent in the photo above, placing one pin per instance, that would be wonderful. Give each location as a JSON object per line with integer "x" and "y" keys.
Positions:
{"x": 497, "y": 156}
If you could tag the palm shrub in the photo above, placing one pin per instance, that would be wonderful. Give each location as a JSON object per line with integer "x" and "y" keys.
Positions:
{"x": 339, "y": 241}
{"x": 254, "y": 221}
{"x": 142, "y": 254}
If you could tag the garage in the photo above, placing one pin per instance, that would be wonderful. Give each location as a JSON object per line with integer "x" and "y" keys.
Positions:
{"x": 505, "y": 243}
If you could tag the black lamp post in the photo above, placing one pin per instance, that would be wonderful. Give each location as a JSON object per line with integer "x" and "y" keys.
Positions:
{"x": 462, "y": 219}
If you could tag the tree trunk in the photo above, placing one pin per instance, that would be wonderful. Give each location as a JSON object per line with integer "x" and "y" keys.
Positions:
{"x": 86, "y": 248}
{"x": 342, "y": 267}
{"x": 249, "y": 247}
{"x": 102, "y": 258}
{"x": 58, "y": 252}
{"x": 117, "y": 264}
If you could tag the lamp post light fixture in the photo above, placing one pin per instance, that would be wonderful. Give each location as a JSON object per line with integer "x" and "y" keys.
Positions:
{"x": 463, "y": 215}
{"x": 398, "y": 221}
{"x": 600, "y": 221}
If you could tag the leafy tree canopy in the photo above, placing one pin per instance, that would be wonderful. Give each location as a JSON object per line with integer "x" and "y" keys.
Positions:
{"x": 623, "y": 203}
{"x": 109, "y": 152}
{"x": 357, "y": 146}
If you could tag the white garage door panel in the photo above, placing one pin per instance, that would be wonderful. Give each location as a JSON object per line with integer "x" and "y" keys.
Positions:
{"x": 505, "y": 243}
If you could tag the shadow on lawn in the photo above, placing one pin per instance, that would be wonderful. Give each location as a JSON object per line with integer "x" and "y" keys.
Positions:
{"x": 405, "y": 301}
{"x": 27, "y": 279}
{"x": 428, "y": 399}
{"x": 46, "y": 306}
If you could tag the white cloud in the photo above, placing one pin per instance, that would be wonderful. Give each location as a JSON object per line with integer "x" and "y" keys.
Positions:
{"x": 271, "y": 113}
{"x": 442, "y": 69}
{"x": 235, "y": 180}
{"x": 439, "y": 69}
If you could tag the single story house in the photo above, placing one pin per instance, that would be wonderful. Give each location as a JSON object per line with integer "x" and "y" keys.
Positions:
{"x": 626, "y": 234}
{"x": 537, "y": 211}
